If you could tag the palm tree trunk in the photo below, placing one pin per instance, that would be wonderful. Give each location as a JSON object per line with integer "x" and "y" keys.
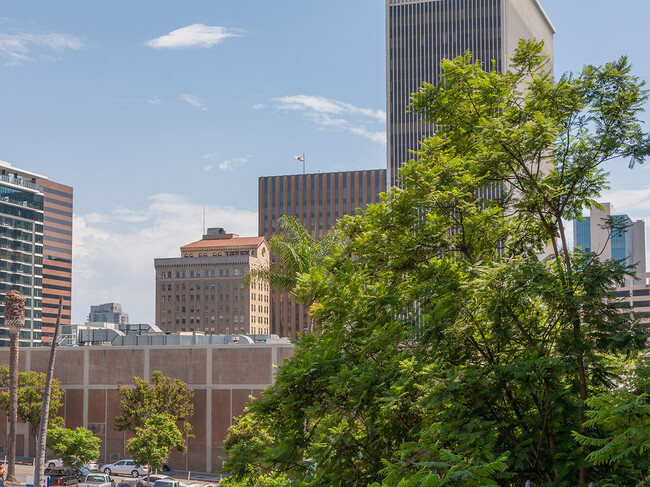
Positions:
{"x": 14, "y": 320}
{"x": 39, "y": 464}
{"x": 13, "y": 404}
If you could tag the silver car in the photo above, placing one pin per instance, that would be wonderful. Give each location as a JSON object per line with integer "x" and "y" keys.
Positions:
{"x": 125, "y": 467}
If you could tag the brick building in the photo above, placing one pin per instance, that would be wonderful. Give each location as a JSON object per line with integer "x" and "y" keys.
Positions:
{"x": 317, "y": 201}
{"x": 223, "y": 378}
{"x": 203, "y": 289}
{"x": 57, "y": 254}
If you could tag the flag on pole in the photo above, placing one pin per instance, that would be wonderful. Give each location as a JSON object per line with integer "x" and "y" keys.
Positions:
{"x": 300, "y": 158}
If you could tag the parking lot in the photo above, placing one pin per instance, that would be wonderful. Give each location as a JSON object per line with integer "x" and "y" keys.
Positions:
{"x": 24, "y": 469}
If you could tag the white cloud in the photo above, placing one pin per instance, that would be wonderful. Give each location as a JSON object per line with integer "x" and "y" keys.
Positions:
{"x": 154, "y": 101}
{"x": 230, "y": 164}
{"x": 130, "y": 216}
{"x": 633, "y": 201}
{"x": 337, "y": 115}
{"x": 113, "y": 261}
{"x": 193, "y": 100}
{"x": 208, "y": 168}
{"x": 210, "y": 155}
{"x": 19, "y": 48}
{"x": 195, "y": 35}
{"x": 379, "y": 136}
{"x": 321, "y": 105}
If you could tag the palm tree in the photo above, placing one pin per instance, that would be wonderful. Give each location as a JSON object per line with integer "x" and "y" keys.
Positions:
{"x": 39, "y": 464}
{"x": 14, "y": 320}
{"x": 294, "y": 251}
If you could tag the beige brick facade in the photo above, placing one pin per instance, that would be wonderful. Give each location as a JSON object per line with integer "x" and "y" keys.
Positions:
{"x": 203, "y": 290}
{"x": 222, "y": 376}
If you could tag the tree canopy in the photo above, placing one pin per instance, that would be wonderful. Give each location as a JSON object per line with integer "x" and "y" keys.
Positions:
{"x": 163, "y": 395}
{"x": 74, "y": 446}
{"x": 30, "y": 398}
{"x": 461, "y": 337}
{"x": 154, "y": 441}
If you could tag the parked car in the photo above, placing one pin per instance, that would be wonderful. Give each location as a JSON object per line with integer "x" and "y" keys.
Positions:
{"x": 125, "y": 467}
{"x": 97, "y": 480}
{"x": 168, "y": 483}
{"x": 57, "y": 462}
{"x": 62, "y": 476}
{"x": 142, "y": 481}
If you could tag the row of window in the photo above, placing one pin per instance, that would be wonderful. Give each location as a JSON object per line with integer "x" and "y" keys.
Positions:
{"x": 635, "y": 292}
{"x": 181, "y": 298}
{"x": 219, "y": 254}
{"x": 206, "y": 273}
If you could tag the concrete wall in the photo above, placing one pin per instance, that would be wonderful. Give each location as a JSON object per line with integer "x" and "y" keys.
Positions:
{"x": 525, "y": 19}
{"x": 222, "y": 376}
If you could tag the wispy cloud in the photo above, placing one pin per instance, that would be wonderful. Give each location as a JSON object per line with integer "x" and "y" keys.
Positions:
{"x": 26, "y": 47}
{"x": 336, "y": 115}
{"x": 195, "y": 35}
{"x": 114, "y": 261}
{"x": 195, "y": 101}
{"x": 230, "y": 164}
{"x": 633, "y": 201}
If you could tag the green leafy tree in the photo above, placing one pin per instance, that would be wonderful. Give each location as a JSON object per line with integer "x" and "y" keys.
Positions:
{"x": 74, "y": 446}
{"x": 459, "y": 331}
{"x": 30, "y": 398}
{"x": 154, "y": 441}
{"x": 161, "y": 395}
{"x": 619, "y": 432}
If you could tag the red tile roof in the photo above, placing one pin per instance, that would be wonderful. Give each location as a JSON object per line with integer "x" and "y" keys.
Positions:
{"x": 224, "y": 242}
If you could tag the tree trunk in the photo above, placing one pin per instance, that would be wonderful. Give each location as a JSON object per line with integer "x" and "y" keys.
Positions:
{"x": 39, "y": 464}
{"x": 14, "y": 321}
{"x": 13, "y": 404}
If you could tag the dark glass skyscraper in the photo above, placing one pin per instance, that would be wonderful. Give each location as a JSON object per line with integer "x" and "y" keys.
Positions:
{"x": 420, "y": 33}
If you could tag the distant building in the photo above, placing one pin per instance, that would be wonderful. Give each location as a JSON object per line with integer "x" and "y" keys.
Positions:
{"x": 627, "y": 246}
{"x": 635, "y": 297}
{"x": 21, "y": 248}
{"x": 317, "y": 201}
{"x": 108, "y": 313}
{"x": 202, "y": 290}
{"x": 57, "y": 254}
{"x": 421, "y": 33}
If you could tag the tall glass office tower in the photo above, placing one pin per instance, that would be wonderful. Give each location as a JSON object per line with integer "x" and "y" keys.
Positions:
{"x": 420, "y": 33}
{"x": 21, "y": 249}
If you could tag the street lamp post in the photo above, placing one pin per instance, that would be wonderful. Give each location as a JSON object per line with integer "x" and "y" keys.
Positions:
{"x": 14, "y": 320}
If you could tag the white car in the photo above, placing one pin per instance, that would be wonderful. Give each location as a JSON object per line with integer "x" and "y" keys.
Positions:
{"x": 125, "y": 467}
{"x": 58, "y": 463}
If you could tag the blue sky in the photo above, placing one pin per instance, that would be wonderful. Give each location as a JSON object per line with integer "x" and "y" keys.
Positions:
{"x": 152, "y": 109}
